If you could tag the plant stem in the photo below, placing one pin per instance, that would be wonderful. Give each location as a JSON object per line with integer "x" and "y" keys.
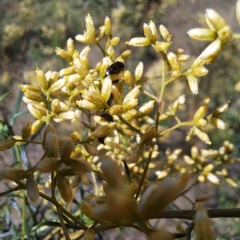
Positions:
{"x": 145, "y": 172}
{"x": 130, "y": 126}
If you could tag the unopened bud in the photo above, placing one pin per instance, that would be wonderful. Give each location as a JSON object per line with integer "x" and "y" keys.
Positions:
{"x": 202, "y": 224}
{"x": 148, "y": 32}
{"x": 55, "y": 105}
{"x": 139, "y": 71}
{"x": 202, "y": 34}
{"x": 64, "y": 188}
{"x": 14, "y": 174}
{"x": 128, "y": 77}
{"x": 7, "y": 144}
{"x": 126, "y": 54}
{"x": 101, "y": 131}
{"x": 58, "y": 85}
{"x": 139, "y": 42}
{"x": 26, "y": 131}
{"x": 165, "y": 33}
{"x": 149, "y": 135}
{"x": 172, "y": 58}
{"x": 42, "y": 80}
{"x": 216, "y": 21}
{"x": 66, "y": 147}
{"x": 192, "y": 83}
{"x": 146, "y": 108}
{"x": 92, "y": 150}
{"x": 136, "y": 154}
{"x": 108, "y": 27}
{"x": 32, "y": 189}
{"x": 47, "y": 164}
{"x": 114, "y": 41}
{"x": 70, "y": 46}
{"x": 63, "y": 54}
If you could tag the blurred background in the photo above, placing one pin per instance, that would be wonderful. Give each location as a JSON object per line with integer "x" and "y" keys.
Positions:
{"x": 30, "y": 30}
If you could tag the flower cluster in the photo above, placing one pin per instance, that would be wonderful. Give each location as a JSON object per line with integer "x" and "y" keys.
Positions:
{"x": 119, "y": 137}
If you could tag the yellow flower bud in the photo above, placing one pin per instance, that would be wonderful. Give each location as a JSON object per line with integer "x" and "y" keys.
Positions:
{"x": 34, "y": 96}
{"x": 116, "y": 110}
{"x": 63, "y": 54}
{"x": 106, "y": 88}
{"x": 202, "y": 135}
{"x": 25, "y": 87}
{"x": 130, "y": 104}
{"x": 6, "y": 144}
{"x": 161, "y": 46}
{"x": 32, "y": 189}
{"x": 114, "y": 41}
{"x": 192, "y": 83}
{"x": 88, "y": 105}
{"x": 154, "y": 31}
{"x": 67, "y": 71}
{"x": 146, "y": 108}
{"x": 55, "y": 105}
{"x": 199, "y": 71}
{"x": 139, "y": 42}
{"x": 126, "y": 54}
{"x": 36, "y": 126}
{"x": 172, "y": 58}
{"x": 130, "y": 114}
{"x": 83, "y": 72}
{"x": 128, "y": 78}
{"x": 148, "y": 32}
{"x": 215, "y": 20}
{"x": 238, "y": 11}
{"x": 212, "y": 50}
{"x": 57, "y": 85}
{"x": 108, "y": 27}
{"x": 95, "y": 98}
{"x": 165, "y": 33}
{"x": 200, "y": 113}
{"x": 37, "y": 111}
{"x": 132, "y": 94}
{"x": 216, "y": 122}
{"x": 42, "y": 80}
{"x": 202, "y": 34}
{"x": 202, "y": 224}
{"x": 26, "y": 131}
{"x": 70, "y": 46}
{"x": 139, "y": 71}
{"x": 116, "y": 95}
{"x": 64, "y": 188}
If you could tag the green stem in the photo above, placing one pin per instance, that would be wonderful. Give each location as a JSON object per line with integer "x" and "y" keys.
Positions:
{"x": 181, "y": 124}
{"x": 62, "y": 224}
{"x": 130, "y": 126}
{"x": 145, "y": 172}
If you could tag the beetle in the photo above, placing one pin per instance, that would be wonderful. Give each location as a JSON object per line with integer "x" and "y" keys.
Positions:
{"x": 114, "y": 70}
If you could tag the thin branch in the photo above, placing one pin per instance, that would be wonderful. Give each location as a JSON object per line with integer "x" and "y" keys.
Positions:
{"x": 189, "y": 214}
